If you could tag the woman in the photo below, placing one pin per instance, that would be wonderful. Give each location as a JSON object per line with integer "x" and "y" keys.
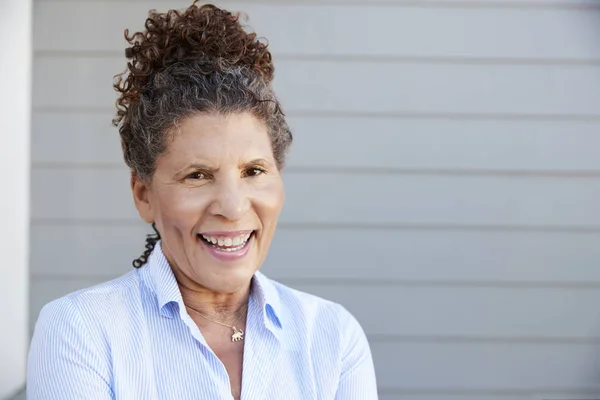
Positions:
{"x": 205, "y": 139}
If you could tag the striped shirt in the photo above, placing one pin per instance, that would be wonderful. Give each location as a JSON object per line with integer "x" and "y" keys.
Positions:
{"x": 131, "y": 338}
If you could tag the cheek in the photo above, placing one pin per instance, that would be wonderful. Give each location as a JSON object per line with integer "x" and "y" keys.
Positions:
{"x": 269, "y": 202}
{"x": 181, "y": 207}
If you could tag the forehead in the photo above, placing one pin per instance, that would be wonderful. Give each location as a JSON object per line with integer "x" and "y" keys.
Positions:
{"x": 215, "y": 136}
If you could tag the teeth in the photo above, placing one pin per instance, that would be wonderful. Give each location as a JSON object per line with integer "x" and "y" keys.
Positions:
{"x": 234, "y": 248}
{"x": 237, "y": 242}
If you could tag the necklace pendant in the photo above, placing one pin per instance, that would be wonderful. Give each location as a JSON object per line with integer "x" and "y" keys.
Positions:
{"x": 238, "y": 334}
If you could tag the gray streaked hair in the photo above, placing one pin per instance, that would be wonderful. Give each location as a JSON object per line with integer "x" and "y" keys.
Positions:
{"x": 186, "y": 89}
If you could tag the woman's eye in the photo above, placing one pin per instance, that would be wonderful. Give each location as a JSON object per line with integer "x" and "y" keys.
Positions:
{"x": 196, "y": 176}
{"x": 255, "y": 171}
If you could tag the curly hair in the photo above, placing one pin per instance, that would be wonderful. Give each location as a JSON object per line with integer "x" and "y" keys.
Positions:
{"x": 200, "y": 60}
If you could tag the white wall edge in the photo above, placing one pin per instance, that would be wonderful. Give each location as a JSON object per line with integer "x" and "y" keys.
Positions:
{"x": 15, "y": 117}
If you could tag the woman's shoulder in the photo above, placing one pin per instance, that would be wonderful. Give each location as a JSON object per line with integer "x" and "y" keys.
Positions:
{"x": 70, "y": 339}
{"x": 91, "y": 302}
{"x": 320, "y": 323}
{"x": 107, "y": 289}
{"x": 296, "y": 302}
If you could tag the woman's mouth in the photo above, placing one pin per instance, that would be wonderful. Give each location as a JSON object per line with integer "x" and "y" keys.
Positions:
{"x": 227, "y": 246}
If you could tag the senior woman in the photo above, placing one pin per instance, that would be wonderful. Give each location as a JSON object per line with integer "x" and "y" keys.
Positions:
{"x": 205, "y": 139}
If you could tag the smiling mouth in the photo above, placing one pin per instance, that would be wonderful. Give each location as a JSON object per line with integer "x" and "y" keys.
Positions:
{"x": 228, "y": 243}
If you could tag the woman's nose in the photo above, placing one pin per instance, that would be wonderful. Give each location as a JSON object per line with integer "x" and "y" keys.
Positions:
{"x": 231, "y": 200}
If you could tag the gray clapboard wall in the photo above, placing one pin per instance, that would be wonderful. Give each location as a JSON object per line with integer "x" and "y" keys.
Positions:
{"x": 444, "y": 184}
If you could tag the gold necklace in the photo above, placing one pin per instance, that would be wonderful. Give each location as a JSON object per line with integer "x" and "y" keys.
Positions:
{"x": 237, "y": 335}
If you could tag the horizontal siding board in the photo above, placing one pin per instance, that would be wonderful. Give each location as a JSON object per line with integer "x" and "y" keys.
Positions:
{"x": 77, "y": 193}
{"x": 440, "y": 144}
{"x": 78, "y": 138}
{"x": 69, "y": 251}
{"x": 483, "y": 395}
{"x": 322, "y": 29}
{"x": 470, "y": 4}
{"x": 389, "y": 143}
{"x": 538, "y": 4}
{"x": 553, "y": 258}
{"x": 426, "y": 87}
{"x": 469, "y": 312}
{"x": 448, "y": 396}
{"x": 331, "y": 198}
{"x": 438, "y": 315}
{"x": 328, "y": 86}
{"x": 483, "y": 366}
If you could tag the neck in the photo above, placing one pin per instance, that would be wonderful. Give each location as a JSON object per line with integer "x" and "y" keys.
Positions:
{"x": 210, "y": 303}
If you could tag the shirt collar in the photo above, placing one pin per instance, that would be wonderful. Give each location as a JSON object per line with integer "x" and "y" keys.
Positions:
{"x": 160, "y": 279}
{"x": 267, "y": 296}
{"x": 163, "y": 282}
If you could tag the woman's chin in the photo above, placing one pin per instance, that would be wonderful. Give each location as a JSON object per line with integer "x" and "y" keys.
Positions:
{"x": 226, "y": 271}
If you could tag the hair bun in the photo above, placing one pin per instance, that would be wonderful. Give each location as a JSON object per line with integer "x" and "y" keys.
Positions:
{"x": 205, "y": 33}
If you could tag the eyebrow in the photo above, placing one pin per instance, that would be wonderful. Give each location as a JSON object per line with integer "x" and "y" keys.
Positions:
{"x": 262, "y": 161}
{"x": 197, "y": 166}
{"x": 204, "y": 167}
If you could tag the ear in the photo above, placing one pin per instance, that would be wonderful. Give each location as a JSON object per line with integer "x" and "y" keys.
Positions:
{"x": 141, "y": 198}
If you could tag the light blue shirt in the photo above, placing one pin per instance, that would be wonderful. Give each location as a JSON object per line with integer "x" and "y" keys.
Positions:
{"x": 132, "y": 339}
